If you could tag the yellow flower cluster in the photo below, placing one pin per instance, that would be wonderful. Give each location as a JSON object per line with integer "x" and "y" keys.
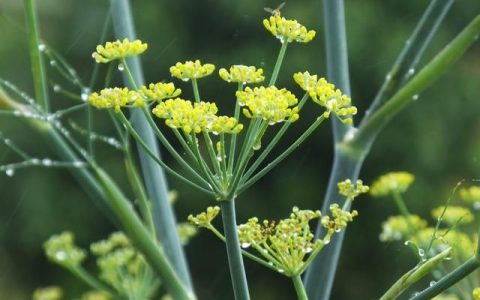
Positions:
{"x": 476, "y": 293}
{"x": 325, "y": 94}
{"x": 205, "y": 219}
{"x": 116, "y": 98}
{"x": 191, "y": 70}
{"x": 48, "y": 293}
{"x": 118, "y": 50}
{"x": 397, "y": 228}
{"x": 453, "y": 215}
{"x": 61, "y": 250}
{"x": 269, "y": 103}
{"x": 196, "y": 117}
{"x": 288, "y": 30}
{"x": 242, "y": 74}
{"x": 471, "y": 194}
{"x": 394, "y": 182}
{"x": 284, "y": 244}
{"x": 339, "y": 220}
{"x": 351, "y": 191}
{"x": 159, "y": 91}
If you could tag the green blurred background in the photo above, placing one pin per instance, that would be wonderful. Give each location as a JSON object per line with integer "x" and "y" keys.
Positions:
{"x": 437, "y": 137}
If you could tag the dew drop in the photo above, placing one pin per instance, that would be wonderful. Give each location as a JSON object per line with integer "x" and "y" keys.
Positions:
{"x": 388, "y": 77}
{"x": 308, "y": 250}
{"x": 415, "y": 97}
{"x": 432, "y": 283}
{"x": 421, "y": 252}
{"x": 56, "y": 88}
{"x": 407, "y": 243}
{"x": 326, "y": 242}
{"x": 84, "y": 94}
{"x": 17, "y": 113}
{"x": 47, "y": 162}
{"x": 78, "y": 164}
{"x": 281, "y": 270}
{"x": 10, "y": 172}
{"x": 245, "y": 245}
{"x": 476, "y": 205}
{"x": 270, "y": 263}
{"x": 60, "y": 255}
{"x": 53, "y": 63}
{"x": 121, "y": 67}
{"x": 411, "y": 71}
{"x": 42, "y": 47}
{"x": 35, "y": 161}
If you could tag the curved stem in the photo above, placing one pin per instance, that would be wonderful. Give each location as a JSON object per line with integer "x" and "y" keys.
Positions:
{"x": 235, "y": 261}
{"x": 299, "y": 288}
{"x": 91, "y": 281}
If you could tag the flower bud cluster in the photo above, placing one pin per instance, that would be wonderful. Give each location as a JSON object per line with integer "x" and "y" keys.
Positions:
{"x": 351, "y": 191}
{"x": 191, "y": 70}
{"x": 394, "y": 182}
{"x": 118, "y": 50}
{"x": 288, "y": 31}
{"x": 242, "y": 74}
{"x": 205, "y": 219}
{"x": 62, "y": 250}
{"x": 339, "y": 219}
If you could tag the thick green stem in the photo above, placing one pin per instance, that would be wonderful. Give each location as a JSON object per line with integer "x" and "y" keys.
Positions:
{"x": 36, "y": 58}
{"x": 278, "y": 63}
{"x": 153, "y": 175}
{"x": 235, "y": 261}
{"x": 450, "y": 279}
{"x": 299, "y": 288}
{"x": 141, "y": 238}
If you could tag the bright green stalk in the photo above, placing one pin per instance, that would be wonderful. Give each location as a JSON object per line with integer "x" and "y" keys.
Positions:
{"x": 141, "y": 238}
{"x": 235, "y": 261}
{"x": 299, "y": 288}
{"x": 431, "y": 72}
{"x": 404, "y": 67}
{"x": 91, "y": 281}
{"x": 233, "y": 140}
{"x": 278, "y": 64}
{"x": 415, "y": 275}
{"x": 36, "y": 57}
{"x": 153, "y": 175}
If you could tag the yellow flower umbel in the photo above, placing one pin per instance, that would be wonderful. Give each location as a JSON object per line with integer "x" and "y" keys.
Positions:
{"x": 397, "y": 228}
{"x": 205, "y": 219}
{"x": 61, "y": 249}
{"x": 191, "y": 70}
{"x": 394, "y": 182}
{"x": 351, "y": 191}
{"x": 471, "y": 194}
{"x": 325, "y": 94}
{"x": 288, "y": 30}
{"x": 118, "y": 50}
{"x": 453, "y": 215}
{"x": 157, "y": 92}
{"x": 269, "y": 103}
{"x": 116, "y": 98}
{"x": 242, "y": 74}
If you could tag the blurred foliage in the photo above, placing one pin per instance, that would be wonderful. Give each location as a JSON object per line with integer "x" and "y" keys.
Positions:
{"x": 437, "y": 137}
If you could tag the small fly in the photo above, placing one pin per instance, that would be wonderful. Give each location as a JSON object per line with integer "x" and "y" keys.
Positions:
{"x": 276, "y": 11}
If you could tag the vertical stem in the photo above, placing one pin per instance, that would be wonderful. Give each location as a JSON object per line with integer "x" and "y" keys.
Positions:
{"x": 235, "y": 261}
{"x": 320, "y": 275}
{"x": 299, "y": 288}
{"x": 154, "y": 176}
{"x": 278, "y": 64}
{"x": 38, "y": 65}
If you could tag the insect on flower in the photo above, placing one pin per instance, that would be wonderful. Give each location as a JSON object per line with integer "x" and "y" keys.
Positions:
{"x": 276, "y": 11}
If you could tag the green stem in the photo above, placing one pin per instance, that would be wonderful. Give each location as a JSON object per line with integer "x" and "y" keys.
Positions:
{"x": 278, "y": 64}
{"x": 282, "y": 156}
{"x": 155, "y": 180}
{"x": 91, "y": 281}
{"x": 141, "y": 238}
{"x": 431, "y": 72}
{"x": 233, "y": 140}
{"x": 235, "y": 261}
{"x": 299, "y": 288}
{"x": 36, "y": 57}
{"x": 449, "y": 280}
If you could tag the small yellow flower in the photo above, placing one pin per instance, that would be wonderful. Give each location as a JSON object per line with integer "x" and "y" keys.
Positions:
{"x": 325, "y": 94}
{"x": 269, "y": 103}
{"x": 476, "y": 293}
{"x": 397, "y": 228}
{"x": 191, "y": 70}
{"x": 394, "y": 182}
{"x": 288, "y": 30}
{"x": 224, "y": 124}
{"x": 118, "y": 50}
{"x": 242, "y": 74}
{"x": 48, "y": 293}
{"x": 61, "y": 250}
{"x": 453, "y": 215}
{"x": 471, "y": 194}
{"x": 159, "y": 91}
{"x": 351, "y": 191}
{"x": 205, "y": 219}
{"x": 116, "y": 98}
{"x": 339, "y": 219}
{"x": 182, "y": 114}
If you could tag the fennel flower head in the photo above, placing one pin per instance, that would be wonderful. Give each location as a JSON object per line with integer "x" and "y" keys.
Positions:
{"x": 288, "y": 31}
{"x": 390, "y": 183}
{"x": 191, "y": 70}
{"x": 118, "y": 50}
{"x": 242, "y": 74}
